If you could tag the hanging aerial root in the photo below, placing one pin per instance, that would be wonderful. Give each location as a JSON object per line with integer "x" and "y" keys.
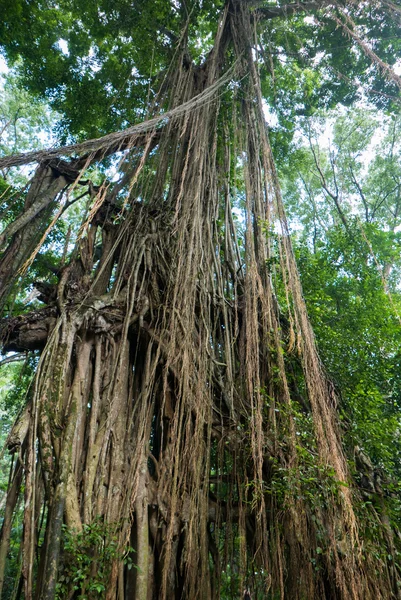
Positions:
{"x": 122, "y": 139}
{"x": 349, "y": 27}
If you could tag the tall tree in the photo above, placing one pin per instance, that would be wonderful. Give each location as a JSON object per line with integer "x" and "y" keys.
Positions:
{"x": 179, "y": 418}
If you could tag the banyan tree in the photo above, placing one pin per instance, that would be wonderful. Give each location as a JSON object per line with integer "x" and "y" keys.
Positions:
{"x": 180, "y": 438}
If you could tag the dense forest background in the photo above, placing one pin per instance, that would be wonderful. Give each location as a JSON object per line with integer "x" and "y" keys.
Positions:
{"x": 164, "y": 252}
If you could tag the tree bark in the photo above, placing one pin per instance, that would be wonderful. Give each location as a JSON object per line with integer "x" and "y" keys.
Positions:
{"x": 11, "y": 502}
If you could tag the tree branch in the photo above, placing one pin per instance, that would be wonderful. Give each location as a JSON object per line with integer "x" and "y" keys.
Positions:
{"x": 13, "y": 358}
{"x": 362, "y": 195}
{"x": 333, "y": 196}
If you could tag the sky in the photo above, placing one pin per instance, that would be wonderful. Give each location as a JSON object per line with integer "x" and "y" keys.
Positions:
{"x": 3, "y": 65}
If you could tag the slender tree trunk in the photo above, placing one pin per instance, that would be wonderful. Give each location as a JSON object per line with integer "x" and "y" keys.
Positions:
{"x": 11, "y": 502}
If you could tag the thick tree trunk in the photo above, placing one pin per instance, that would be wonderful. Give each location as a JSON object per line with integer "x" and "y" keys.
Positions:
{"x": 25, "y": 232}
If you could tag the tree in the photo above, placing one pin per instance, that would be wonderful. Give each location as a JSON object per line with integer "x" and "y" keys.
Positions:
{"x": 179, "y": 419}
{"x": 347, "y": 248}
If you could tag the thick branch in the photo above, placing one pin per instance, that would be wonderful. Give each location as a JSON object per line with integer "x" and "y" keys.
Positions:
{"x": 41, "y": 202}
{"x": 360, "y": 191}
{"x": 120, "y": 140}
{"x": 27, "y": 332}
{"x": 31, "y": 331}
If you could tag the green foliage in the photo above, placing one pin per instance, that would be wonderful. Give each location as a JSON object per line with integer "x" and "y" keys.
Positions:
{"x": 342, "y": 186}
{"x": 97, "y": 542}
{"x": 358, "y": 334}
{"x": 98, "y": 63}
{"x": 98, "y": 76}
{"x": 15, "y": 379}
{"x": 25, "y": 121}
{"x": 344, "y": 163}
